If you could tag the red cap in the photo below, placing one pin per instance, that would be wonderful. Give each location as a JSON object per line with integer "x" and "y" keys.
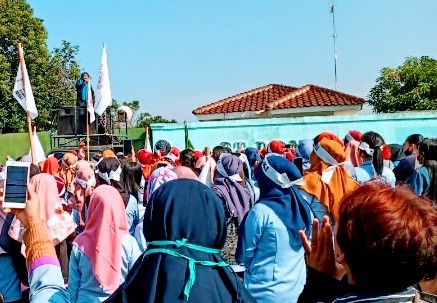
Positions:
{"x": 357, "y": 135}
{"x": 275, "y": 146}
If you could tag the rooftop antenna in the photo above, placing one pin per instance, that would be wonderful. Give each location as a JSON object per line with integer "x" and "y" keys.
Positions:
{"x": 334, "y": 36}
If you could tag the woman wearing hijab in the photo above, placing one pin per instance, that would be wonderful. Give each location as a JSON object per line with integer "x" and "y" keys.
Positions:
{"x": 251, "y": 183}
{"x": 157, "y": 179}
{"x": 304, "y": 150}
{"x": 68, "y": 169}
{"x": 60, "y": 225}
{"x": 104, "y": 252}
{"x": 51, "y": 167}
{"x": 328, "y": 179}
{"x": 352, "y": 151}
{"x": 236, "y": 200}
{"x": 109, "y": 172}
{"x": 82, "y": 89}
{"x": 253, "y": 158}
{"x": 269, "y": 242}
{"x": 185, "y": 229}
{"x": 85, "y": 182}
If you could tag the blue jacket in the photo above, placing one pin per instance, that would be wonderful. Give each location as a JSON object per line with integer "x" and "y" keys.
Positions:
{"x": 275, "y": 267}
{"x": 366, "y": 172}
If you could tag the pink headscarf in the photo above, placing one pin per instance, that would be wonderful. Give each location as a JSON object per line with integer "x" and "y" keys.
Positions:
{"x": 51, "y": 166}
{"x": 47, "y": 191}
{"x": 353, "y": 153}
{"x": 102, "y": 239}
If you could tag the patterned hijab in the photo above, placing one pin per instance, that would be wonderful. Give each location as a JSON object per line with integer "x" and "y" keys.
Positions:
{"x": 158, "y": 177}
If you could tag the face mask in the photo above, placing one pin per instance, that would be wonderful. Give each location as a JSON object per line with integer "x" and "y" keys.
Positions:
{"x": 408, "y": 153}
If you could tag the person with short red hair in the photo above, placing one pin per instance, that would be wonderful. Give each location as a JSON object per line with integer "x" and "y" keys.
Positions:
{"x": 386, "y": 240}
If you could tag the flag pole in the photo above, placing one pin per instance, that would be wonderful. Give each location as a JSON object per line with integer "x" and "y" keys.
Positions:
{"x": 29, "y": 119}
{"x": 87, "y": 135}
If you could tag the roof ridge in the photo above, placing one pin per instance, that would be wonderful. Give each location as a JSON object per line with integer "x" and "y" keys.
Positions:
{"x": 234, "y": 97}
{"x": 334, "y": 91}
{"x": 289, "y": 96}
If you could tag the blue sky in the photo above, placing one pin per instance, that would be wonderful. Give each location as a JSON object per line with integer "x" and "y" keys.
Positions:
{"x": 176, "y": 55}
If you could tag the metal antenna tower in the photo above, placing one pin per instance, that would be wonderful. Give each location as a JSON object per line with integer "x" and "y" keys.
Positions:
{"x": 334, "y": 36}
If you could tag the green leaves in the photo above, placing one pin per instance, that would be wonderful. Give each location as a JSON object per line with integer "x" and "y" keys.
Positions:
{"x": 411, "y": 86}
{"x": 51, "y": 76}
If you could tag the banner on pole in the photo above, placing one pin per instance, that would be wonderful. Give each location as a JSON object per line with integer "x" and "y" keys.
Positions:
{"x": 22, "y": 91}
{"x": 103, "y": 95}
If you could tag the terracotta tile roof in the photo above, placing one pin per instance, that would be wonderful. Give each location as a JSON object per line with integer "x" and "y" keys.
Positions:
{"x": 275, "y": 96}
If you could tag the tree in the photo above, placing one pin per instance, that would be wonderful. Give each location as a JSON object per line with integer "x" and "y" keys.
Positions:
{"x": 411, "y": 86}
{"x": 49, "y": 75}
{"x": 63, "y": 73}
{"x": 145, "y": 119}
{"x": 18, "y": 25}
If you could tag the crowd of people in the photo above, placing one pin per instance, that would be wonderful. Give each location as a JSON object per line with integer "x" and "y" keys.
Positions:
{"x": 324, "y": 220}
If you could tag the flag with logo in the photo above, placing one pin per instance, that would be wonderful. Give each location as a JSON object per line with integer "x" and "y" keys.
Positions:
{"x": 103, "y": 95}
{"x": 22, "y": 91}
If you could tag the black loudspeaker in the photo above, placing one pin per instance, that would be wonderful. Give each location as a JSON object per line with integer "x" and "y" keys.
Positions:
{"x": 72, "y": 121}
{"x": 66, "y": 121}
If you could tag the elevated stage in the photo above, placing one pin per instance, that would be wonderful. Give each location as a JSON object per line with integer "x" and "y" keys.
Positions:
{"x": 69, "y": 129}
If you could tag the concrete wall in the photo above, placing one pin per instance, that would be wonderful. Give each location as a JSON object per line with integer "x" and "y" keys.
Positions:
{"x": 393, "y": 127}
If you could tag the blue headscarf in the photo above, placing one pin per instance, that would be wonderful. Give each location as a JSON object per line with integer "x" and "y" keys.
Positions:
{"x": 82, "y": 88}
{"x": 287, "y": 203}
{"x": 182, "y": 209}
{"x": 304, "y": 150}
{"x": 252, "y": 155}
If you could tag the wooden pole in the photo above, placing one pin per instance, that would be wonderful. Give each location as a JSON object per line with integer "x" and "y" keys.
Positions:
{"x": 29, "y": 120}
{"x": 87, "y": 133}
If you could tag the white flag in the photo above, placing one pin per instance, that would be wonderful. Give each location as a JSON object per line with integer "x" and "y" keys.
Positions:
{"x": 103, "y": 95}
{"x": 206, "y": 174}
{"x": 39, "y": 151}
{"x": 89, "y": 103}
{"x": 23, "y": 91}
{"x": 147, "y": 145}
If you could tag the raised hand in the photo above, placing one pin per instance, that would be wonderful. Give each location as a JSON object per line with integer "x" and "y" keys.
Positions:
{"x": 30, "y": 214}
{"x": 319, "y": 252}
